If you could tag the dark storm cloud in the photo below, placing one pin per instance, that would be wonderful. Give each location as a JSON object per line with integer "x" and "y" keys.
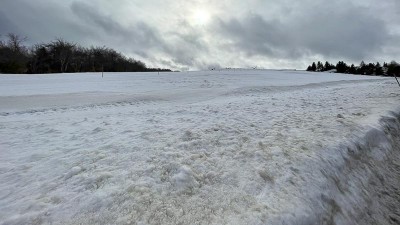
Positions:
{"x": 40, "y": 22}
{"x": 350, "y": 33}
{"x": 94, "y": 19}
{"x": 346, "y": 32}
{"x": 138, "y": 36}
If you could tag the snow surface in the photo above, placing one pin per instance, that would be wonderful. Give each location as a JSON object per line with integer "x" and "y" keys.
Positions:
{"x": 221, "y": 147}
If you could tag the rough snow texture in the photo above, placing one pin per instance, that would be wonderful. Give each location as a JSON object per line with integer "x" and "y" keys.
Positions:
{"x": 223, "y": 147}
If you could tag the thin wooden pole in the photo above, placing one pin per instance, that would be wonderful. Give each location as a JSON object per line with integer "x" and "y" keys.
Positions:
{"x": 396, "y": 79}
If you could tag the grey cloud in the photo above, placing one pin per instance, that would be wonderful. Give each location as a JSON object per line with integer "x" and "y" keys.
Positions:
{"x": 254, "y": 35}
{"x": 6, "y": 25}
{"x": 40, "y": 22}
{"x": 351, "y": 33}
{"x": 96, "y": 19}
{"x": 346, "y": 32}
{"x": 137, "y": 36}
{"x": 142, "y": 39}
{"x": 186, "y": 47}
{"x": 265, "y": 33}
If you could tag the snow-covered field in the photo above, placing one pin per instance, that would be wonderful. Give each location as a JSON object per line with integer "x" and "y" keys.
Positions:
{"x": 222, "y": 147}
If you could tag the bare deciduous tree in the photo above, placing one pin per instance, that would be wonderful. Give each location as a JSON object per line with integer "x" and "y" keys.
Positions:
{"x": 62, "y": 51}
{"x": 15, "y": 42}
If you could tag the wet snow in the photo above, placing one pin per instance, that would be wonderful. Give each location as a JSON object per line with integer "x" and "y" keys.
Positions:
{"x": 221, "y": 147}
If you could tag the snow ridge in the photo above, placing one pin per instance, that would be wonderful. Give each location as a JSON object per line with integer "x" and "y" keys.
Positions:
{"x": 361, "y": 182}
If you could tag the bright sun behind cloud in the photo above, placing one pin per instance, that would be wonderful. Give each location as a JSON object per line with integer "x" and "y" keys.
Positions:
{"x": 200, "y": 17}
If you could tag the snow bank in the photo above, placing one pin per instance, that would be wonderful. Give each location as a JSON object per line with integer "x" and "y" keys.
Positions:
{"x": 353, "y": 183}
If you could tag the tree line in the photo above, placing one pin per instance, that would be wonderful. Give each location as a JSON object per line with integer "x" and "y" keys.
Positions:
{"x": 60, "y": 56}
{"x": 387, "y": 69}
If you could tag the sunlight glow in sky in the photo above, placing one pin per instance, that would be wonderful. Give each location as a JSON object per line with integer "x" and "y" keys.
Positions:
{"x": 200, "y": 17}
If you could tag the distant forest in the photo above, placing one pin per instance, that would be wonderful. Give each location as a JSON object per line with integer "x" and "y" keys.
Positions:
{"x": 387, "y": 69}
{"x": 60, "y": 56}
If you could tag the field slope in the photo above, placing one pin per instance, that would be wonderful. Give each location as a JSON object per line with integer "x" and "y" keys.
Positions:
{"x": 221, "y": 147}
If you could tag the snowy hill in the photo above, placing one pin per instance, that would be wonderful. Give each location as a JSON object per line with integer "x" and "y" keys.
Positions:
{"x": 220, "y": 147}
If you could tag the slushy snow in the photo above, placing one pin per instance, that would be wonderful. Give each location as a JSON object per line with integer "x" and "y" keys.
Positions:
{"x": 221, "y": 147}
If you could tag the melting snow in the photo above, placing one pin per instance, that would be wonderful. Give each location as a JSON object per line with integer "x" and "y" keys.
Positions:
{"x": 221, "y": 147}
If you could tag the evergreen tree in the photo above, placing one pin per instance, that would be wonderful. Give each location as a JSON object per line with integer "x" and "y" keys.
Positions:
{"x": 369, "y": 69}
{"x": 378, "y": 69}
{"x": 352, "y": 69}
{"x": 313, "y": 67}
{"x": 342, "y": 67}
{"x": 393, "y": 69}
{"x": 320, "y": 66}
{"x": 385, "y": 68}
{"x": 389, "y": 69}
{"x": 362, "y": 68}
{"x": 328, "y": 66}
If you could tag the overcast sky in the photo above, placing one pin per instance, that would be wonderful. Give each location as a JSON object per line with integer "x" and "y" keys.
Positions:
{"x": 200, "y": 34}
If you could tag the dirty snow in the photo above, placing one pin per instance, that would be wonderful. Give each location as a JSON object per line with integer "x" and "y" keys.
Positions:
{"x": 221, "y": 147}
